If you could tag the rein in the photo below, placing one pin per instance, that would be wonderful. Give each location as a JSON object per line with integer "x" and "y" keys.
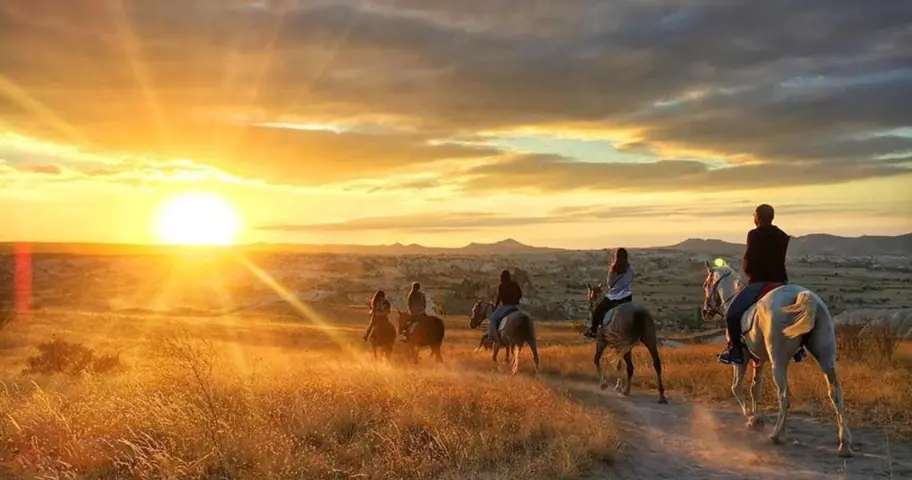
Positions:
{"x": 710, "y": 308}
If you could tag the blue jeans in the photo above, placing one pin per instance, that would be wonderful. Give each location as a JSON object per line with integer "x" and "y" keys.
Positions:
{"x": 496, "y": 318}
{"x": 743, "y": 300}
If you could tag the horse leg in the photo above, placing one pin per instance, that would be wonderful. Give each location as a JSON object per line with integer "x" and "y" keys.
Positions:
{"x": 534, "y": 350}
{"x": 657, "y": 365}
{"x": 518, "y": 350}
{"x": 780, "y": 378}
{"x": 436, "y": 351}
{"x": 619, "y": 384}
{"x": 738, "y": 372}
{"x": 628, "y": 359}
{"x": 826, "y": 358}
{"x": 756, "y": 418}
{"x": 600, "y": 347}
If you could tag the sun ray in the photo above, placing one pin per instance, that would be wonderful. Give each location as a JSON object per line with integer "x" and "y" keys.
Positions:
{"x": 27, "y": 102}
{"x": 131, "y": 50}
{"x": 300, "y": 307}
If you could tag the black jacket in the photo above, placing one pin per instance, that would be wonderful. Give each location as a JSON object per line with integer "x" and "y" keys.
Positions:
{"x": 508, "y": 293}
{"x": 764, "y": 258}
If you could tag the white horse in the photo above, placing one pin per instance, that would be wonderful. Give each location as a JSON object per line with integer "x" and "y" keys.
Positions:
{"x": 773, "y": 329}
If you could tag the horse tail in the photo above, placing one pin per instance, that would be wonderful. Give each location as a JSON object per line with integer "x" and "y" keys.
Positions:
{"x": 804, "y": 310}
{"x": 641, "y": 316}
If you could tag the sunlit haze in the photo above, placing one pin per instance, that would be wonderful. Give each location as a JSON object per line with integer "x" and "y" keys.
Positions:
{"x": 568, "y": 124}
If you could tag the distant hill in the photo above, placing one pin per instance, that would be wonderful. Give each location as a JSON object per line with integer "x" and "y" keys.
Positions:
{"x": 817, "y": 243}
{"x": 503, "y": 247}
{"x": 804, "y": 245}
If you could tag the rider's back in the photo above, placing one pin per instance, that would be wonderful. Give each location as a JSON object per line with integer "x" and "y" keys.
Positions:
{"x": 764, "y": 258}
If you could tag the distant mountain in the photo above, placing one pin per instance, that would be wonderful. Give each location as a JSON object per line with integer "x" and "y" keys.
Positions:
{"x": 710, "y": 246}
{"x": 852, "y": 246}
{"x": 804, "y": 245}
{"x": 503, "y": 247}
{"x": 813, "y": 244}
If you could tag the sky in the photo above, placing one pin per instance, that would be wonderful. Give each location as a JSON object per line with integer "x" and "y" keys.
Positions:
{"x": 573, "y": 123}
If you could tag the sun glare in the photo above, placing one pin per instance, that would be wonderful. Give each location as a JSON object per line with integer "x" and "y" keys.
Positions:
{"x": 198, "y": 219}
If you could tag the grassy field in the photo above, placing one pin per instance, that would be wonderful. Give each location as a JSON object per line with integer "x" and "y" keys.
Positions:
{"x": 278, "y": 397}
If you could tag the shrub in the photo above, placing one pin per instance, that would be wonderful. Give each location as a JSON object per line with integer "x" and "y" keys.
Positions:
{"x": 60, "y": 356}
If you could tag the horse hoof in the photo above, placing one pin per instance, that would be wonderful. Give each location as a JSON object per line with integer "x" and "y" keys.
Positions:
{"x": 777, "y": 441}
{"x": 626, "y": 393}
{"x": 845, "y": 451}
{"x": 663, "y": 401}
{"x": 603, "y": 386}
{"x": 755, "y": 422}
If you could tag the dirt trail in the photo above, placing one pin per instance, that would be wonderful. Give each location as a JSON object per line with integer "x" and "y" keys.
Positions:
{"x": 686, "y": 440}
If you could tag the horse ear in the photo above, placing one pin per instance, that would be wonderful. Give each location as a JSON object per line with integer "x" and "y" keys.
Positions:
{"x": 709, "y": 266}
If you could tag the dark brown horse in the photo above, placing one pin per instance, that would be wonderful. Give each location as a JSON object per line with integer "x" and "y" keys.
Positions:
{"x": 382, "y": 337}
{"x": 428, "y": 331}
{"x": 627, "y": 325}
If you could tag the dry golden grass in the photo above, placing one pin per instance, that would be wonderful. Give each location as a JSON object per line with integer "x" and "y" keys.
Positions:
{"x": 261, "y": 397}
{"x": 877, "y": 392}
{"x": 193, "y": 404}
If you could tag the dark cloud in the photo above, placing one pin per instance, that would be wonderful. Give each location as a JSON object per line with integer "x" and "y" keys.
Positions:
{"x": 804, "y": 84}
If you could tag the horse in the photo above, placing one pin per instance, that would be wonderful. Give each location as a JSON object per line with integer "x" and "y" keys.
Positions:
{"x": 428, "y": 331}
{"x": 382, "y": 337}
{"x": 593, "y": 295}
{"x": 627, "y": 324}
{"x": 774, "y": 329}
{"x": 516, "y": 329}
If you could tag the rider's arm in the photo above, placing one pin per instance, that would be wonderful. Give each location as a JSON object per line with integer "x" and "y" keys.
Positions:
{"x": 499, "y": 296}
{"x": 750, "y": 253}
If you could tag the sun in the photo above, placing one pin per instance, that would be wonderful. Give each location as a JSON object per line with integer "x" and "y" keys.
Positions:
{"x": 198, "y": 219}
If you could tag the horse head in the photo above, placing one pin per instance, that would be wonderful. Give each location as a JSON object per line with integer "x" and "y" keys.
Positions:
{"x": 479, "y": 313}
{"x": 593, "y": 294}
{"x": 719, "y": 287}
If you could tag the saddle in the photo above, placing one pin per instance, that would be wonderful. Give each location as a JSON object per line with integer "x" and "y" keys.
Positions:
{"x": 747, "y": 319}
{"x": 513, "y": 312}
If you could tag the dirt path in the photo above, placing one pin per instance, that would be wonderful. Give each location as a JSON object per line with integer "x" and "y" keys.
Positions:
{"x": 685, "y": 440}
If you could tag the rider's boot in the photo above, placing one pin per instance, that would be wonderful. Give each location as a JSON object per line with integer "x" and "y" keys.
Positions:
{"x": 733, "y": 354}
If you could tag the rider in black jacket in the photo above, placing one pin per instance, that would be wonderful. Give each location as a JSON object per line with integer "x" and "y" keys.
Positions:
{"x": 763, "y": 262}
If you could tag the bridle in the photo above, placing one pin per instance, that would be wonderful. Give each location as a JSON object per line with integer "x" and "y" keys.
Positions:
{"x": 710, "y": 307}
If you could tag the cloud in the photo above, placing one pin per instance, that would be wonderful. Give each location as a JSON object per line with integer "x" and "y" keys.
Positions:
{"x": 810, "y": 87}
{"x": 552, "y": 173}
{"x": 442, "y": 222}
{"x": 431, "y": 222}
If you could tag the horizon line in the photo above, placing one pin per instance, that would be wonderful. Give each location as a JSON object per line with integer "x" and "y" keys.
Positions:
{"x": 387, "y": 245}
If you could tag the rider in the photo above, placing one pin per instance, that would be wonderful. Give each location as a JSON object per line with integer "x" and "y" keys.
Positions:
{"x": 379, "y": 310}
{"x": 620, "y": 282}
{"x": 417, "y": 305}
{"x": 763, "y": 262}
{"x": 508, "y": 295}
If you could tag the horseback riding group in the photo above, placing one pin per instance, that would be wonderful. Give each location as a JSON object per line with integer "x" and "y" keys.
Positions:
{"x": 768, "y": 320}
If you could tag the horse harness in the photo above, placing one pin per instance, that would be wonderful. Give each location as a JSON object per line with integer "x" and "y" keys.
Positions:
{"x": 710, "y": 308}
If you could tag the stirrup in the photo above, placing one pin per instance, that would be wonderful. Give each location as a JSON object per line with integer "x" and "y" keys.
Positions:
{"x": 728, "y": 358}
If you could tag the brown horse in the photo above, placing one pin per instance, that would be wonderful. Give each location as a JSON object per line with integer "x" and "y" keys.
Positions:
{"x": 516, "y": 330}
{"x": 382, "y": 337}
{"x": 627, "y": 325}
{"x": 428, "y": 331}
